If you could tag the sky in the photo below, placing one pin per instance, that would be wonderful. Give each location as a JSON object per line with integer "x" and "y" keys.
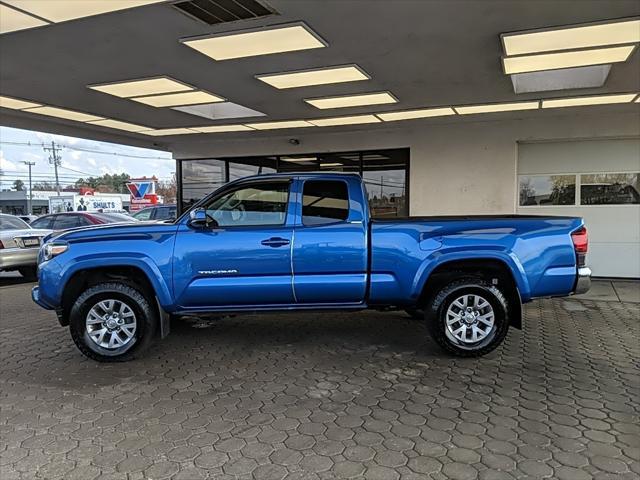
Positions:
{"x": 80, "y": 158}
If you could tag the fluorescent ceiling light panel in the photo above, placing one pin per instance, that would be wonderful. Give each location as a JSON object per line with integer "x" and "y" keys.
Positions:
{"x": 179, "y": 99}
{"x": 497, "y": 107}
{"x": 222, "y": 128}
{"x": 576, "y": 58}
{"x": 353, "y": 120}
{"x": 321, "y": 76}
{"x": 413, "y": 114}
{"x": 16, "y": 104}
{"x": 138, "y": 88}
{"x": 638, "y": 99}
{"x": 278, "y": 125}
{"x": 62, "y": 10}
{"x": 586, "y": 36}
{"x": 343, "y": 101}
{"x": 260, "y": 42}
{"x": 584, "y": 101}
{"x": 220, "y": 111}
{"x": 12, "y": 20}
{"x": 299, "y": 159}
{"x": 63, "y": 113}
{"x": 118, "y": 125}
{"x": 168, "y": 131}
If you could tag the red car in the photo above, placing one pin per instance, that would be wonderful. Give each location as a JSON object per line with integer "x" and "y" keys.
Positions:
{"x": 63, "y": 221}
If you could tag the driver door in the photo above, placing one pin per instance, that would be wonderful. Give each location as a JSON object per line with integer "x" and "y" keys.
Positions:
{"x": 244, "y": 257}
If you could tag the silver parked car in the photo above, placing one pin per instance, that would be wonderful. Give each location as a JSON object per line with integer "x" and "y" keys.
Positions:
{"x": 19, "y": 245}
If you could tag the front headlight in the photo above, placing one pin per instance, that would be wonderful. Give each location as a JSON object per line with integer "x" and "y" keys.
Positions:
{"x": 51, "y": 250}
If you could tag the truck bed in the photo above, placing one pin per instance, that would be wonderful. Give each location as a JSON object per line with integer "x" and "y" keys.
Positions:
{"x": 537, "y": 249}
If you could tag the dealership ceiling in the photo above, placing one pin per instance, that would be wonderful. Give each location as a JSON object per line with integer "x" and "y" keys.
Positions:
{"x": 155, "y": 74}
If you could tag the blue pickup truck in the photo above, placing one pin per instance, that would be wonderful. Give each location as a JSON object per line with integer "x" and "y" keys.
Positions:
{"x": 306, "y": 242}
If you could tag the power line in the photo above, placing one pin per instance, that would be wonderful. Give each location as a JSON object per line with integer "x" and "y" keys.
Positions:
{"x": 87, "y": 150}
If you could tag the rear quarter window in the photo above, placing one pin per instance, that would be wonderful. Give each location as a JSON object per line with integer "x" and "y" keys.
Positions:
{"x": 324, "y": 202}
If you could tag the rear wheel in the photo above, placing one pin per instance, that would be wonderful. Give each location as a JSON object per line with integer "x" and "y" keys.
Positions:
{"x": 112, "y": 322}
{"x": 30, "y": 273}
{"x": 468, "y": 317}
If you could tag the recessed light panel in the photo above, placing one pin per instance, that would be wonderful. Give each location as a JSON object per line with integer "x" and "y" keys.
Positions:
{"x": 413, "y": 114}
{"x": 578, "y": 58}
{"x": 353, "y": 120}
{"x": 16, "y": 104}
{"x": 168, "y": 131}
{"x": 278, "y": 125}
{"x": 497, "y": 107}
{"x": 222, "y": 128}
{"x": 321, "y": 76}
{"x": 179, "y": 99}
{"x": 584, "y": 101}
{"x": 138, "y": 88}
{"x": 378, "y": 98}
{"x": 613, "y": 33}
{"x": 63, "y": 113}
{"x": 118, "y": 125}
{"x": 261, "y": 42}
{"x": 12, "y": 20}
{"x": 62, "y": 10}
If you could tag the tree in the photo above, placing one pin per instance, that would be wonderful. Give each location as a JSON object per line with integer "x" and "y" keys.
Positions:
{"x": 18, "y": 185}
{"x": 106, "y": 183}
{"x": 168, "y": 189}
{"x": 44, "y": 186}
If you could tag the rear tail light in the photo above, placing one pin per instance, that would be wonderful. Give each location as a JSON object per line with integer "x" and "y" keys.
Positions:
{"x": 580, "y": 241}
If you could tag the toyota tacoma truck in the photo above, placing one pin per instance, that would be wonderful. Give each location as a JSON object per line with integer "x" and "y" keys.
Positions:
{"x": 306, "y": 242}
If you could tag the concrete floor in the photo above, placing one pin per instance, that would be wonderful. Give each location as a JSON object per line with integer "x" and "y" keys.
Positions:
{"x": 613, "y": 291}
{"x": 325, "y": 396}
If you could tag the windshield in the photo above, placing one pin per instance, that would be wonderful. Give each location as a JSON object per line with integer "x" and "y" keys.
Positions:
{"x": 113, "y": 217}
{"x": 12, "y": 223}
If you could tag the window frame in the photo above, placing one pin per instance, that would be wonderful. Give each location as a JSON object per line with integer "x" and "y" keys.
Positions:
{"x": 346, "y": 220}
{"x": 578, "y": 196}
{"x": 579, "y": 190}
{"x": 235, "y": 187}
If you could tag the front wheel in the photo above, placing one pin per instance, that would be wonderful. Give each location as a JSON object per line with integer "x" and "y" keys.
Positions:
{"x": 112, "y": 322}
{"x": 468, "y": 317}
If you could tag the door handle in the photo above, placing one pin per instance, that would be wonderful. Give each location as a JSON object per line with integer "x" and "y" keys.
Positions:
{"x": 275, "y": 242}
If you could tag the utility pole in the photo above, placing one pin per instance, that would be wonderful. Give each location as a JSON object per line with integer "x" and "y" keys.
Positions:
{"x": 30, "y": 164}
{"x": 55, "y": 160}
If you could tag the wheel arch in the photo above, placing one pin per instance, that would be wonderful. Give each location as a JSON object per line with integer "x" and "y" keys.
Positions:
{"x": 131, "y": 275}
{"x": 497, "y": 271}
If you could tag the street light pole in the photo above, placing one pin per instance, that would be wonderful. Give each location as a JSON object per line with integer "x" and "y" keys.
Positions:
{"x": 30, "y": 207}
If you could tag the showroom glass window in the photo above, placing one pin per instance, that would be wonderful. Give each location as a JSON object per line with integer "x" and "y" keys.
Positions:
{"x": 610, "y": 189}
{"x": 200, "y": 178}
{"x": 385, "y": 174}
{"x": 544, "y": 190}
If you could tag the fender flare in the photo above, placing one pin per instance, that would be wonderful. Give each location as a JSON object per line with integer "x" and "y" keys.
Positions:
{"x": 143, "y": 263}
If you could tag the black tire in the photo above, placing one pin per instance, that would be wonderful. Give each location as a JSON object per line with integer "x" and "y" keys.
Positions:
{"x": 146, "y": 319}
{"x": 415, "y": 313}
{"x": 436, "y": 316}
{"x": 29, "y": 273}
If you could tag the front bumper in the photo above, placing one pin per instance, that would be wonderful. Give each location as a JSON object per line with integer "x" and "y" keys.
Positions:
{"x": 11, "y": 258}
{"x": 583, "y": 280}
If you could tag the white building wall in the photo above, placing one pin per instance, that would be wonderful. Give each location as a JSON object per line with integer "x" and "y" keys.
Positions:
{"x": 457, "y": 167}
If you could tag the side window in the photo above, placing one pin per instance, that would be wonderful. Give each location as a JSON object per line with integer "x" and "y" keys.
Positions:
{"x": 42, "y": 222}
{"x": 251, "y": 205}
{"x": 143, "y": 215}
{"x": 62, "y": 222}
{"x": 165, "y": 213}
{"x": 324, "y": 201}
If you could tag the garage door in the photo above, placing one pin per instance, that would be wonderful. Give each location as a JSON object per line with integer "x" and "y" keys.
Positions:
{"x": 594, "y": 179}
